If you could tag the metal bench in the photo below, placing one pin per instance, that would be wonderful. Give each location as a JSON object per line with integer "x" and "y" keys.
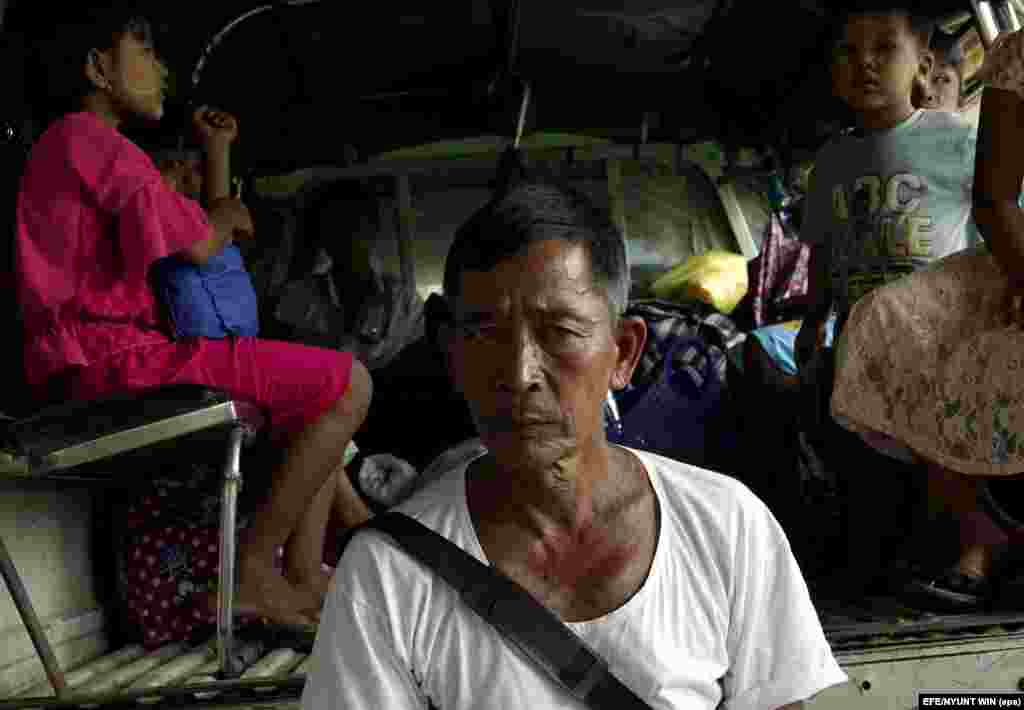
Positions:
{"x": 58, "y": 441}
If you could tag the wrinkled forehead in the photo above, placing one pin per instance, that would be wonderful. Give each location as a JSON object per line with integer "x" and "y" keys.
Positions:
{"x": 543, "y": 275}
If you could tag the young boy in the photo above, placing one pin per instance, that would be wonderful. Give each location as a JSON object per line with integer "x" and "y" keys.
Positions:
{"x": 94, "y": 214}
{"x": 886, "y": 199}
{"x": 216, "y": 299}
{"x": 183, "y": 170}
{"x": 943, "y": 90}
{"x": 894, "y": 194}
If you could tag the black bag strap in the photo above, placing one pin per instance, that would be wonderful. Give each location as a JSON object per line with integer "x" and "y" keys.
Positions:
{"x": 510, "y": 609}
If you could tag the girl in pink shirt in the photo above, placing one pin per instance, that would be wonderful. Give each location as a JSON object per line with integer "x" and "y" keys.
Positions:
{"x": 93, "y": 215}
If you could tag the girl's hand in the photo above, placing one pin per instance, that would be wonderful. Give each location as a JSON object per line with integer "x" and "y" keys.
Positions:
{"x": 215, "y": 128}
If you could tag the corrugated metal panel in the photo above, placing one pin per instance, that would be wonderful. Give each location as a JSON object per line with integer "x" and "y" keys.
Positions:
{"x": 889, "y": 650}
{"x": 101, "y": 666}
{"x": 126, "y": 675}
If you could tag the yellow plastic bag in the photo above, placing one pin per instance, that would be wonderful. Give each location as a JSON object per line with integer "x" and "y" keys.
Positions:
{"x": 718, "y": 278}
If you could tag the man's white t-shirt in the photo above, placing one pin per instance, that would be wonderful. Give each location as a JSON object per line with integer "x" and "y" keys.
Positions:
{"x": 724, "y": 615}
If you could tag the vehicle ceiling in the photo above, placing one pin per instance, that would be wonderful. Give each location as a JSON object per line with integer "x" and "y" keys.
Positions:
{"x": 309, "y": 80}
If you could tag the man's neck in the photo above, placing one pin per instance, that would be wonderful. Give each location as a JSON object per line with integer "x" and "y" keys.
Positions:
{"x": 583, "y": 545}
{"x": 565, "y": 498}
{"x": 884, "y": 119}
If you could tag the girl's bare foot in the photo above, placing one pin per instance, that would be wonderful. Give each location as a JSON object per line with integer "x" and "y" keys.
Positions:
{"x": 263, "y": 592}
{"x": 312, "y": 583}
{"x": 978, "y": 560}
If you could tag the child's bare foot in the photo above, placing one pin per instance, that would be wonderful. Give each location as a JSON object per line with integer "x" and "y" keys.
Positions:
{"x": 313, "y": 583}
{"x": 264, "y": 592}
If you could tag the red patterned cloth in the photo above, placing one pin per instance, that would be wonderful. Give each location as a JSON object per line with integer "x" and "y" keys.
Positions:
{"x": 778, "y": 275}
{"x": 171, "y": 558}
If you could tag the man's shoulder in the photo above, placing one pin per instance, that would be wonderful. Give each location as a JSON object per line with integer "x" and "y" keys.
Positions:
{"x": 438, "y": 506}
{"x": 718, "y": 497}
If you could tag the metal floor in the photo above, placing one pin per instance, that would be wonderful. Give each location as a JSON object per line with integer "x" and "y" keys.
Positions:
{"x": 875, "y": 621}
{"x": 178, "y": 675}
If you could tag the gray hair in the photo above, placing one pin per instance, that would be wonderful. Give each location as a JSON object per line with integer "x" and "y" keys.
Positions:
{"x": 534, "y": 210}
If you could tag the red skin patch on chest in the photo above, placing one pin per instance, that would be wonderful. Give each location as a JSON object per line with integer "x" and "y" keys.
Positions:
{"x": 566, "y": 560}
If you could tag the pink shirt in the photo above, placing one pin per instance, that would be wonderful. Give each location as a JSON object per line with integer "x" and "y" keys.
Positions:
{"x": 93, "y": 214}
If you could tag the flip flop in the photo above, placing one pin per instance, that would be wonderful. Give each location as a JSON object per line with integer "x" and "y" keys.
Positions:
{"x": 950, "y": 591}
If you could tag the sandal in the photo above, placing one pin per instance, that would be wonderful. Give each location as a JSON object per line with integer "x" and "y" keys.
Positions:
{"x": 950, "y": 591}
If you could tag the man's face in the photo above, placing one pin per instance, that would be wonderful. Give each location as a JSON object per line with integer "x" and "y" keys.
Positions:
{"x": 138, "y": 79}
{"x": 534, "y": 354}
{"x": 875, "y": 62}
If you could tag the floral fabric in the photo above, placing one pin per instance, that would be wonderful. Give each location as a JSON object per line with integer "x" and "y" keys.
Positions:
{"x": 932, "y": 367}
{"x": 171, "y": 557}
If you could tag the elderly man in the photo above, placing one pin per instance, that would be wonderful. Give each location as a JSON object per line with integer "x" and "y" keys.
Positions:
{"x": 678, "y": 577}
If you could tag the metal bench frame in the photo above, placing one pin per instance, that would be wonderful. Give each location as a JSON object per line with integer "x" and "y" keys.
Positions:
{"x": 196, "y": 409}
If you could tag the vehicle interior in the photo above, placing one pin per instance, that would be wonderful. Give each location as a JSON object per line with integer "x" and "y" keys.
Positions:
{"x": 695, "y": 121}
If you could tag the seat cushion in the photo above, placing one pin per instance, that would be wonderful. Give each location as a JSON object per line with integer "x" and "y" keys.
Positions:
{"x": 76, "y": 423}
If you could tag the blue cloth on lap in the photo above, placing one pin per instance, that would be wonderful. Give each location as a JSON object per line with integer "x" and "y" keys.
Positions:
{"x": 215, "y": 300}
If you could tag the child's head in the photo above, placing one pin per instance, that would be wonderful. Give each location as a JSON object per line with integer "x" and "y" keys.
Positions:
{"x": 104, "y": 60}
{"x": 943, "y": 90}
{"x": 182, "y": 169}
{"x": 880, "y": 52}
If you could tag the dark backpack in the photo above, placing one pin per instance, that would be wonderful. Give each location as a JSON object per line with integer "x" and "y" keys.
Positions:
{"x": 677, "y": 403}
{"x": 330, "y": 299}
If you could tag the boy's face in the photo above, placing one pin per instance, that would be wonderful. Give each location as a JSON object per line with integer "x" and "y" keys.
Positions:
{"x": 943, "y": 89}
{"x": 875, "y": 63}
{"x": 134, "y": 77}
{"x": 184, "y": 175}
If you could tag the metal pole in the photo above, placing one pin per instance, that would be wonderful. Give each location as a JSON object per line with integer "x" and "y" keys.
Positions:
{"x": 994, "y": 17}
{"x": 524, "y": 106}
{"x": 406, "y": 231}
{"x": 31, "y": 621}
{"x": 226, "y": 587}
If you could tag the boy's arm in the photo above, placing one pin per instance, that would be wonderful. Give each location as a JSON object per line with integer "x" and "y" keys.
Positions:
{"x": 819, "y": 273}
{"x": 217, "y": 181}
{"x": 819, "y": 292}
{"x": 229, "y": 217}
{"x": 217, "y": 130}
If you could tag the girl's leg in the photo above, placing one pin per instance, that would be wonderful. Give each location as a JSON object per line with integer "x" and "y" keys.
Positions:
{"x": 304, "y": 553}
{"x": 320, "y": 396}
{"x": 309, "y": 462}
{"x": 981, "y": 541}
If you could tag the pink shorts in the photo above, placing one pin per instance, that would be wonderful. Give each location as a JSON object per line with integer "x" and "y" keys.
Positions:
{"x": 294, "y": 384}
